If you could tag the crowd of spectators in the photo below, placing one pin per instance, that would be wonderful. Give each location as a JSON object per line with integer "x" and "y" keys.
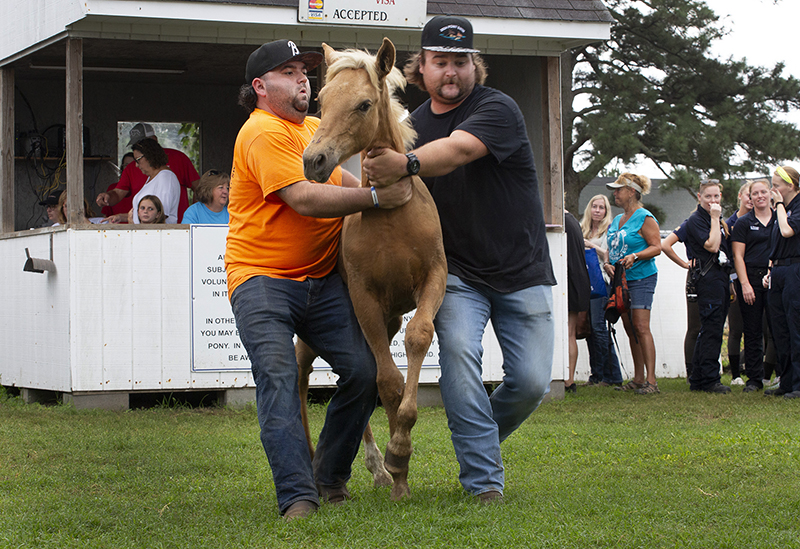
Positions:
{"x": 162, "y": 175}
{"x": 744, "y": 270}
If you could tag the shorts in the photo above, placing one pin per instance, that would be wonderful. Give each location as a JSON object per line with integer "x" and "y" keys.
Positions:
{"x": 641, "y": 292}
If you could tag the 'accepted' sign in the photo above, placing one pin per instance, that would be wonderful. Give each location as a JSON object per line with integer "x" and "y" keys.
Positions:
{"x": 381, "y": 13}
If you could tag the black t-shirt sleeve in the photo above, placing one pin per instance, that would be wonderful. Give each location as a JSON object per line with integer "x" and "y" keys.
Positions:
{"x": 740, "y": 229}
{"x": 495, "y": 123}
{"x": 697, "y": 230}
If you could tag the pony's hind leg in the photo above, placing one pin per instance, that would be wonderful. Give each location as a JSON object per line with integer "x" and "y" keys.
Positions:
{"x": 305, "y": 356}
{"x": 374, "y": 460}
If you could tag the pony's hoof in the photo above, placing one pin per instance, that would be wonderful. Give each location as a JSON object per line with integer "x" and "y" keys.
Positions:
{"x": 382, "y": 479}
{"x": 400, "y": 491}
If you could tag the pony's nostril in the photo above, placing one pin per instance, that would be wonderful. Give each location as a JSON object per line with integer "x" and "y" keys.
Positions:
{"x": 319, "y": 161}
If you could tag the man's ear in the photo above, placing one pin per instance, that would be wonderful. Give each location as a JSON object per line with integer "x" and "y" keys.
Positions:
{"x": 260, "y": 87}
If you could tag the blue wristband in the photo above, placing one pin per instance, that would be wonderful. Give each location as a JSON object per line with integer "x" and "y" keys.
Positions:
{"x": 374, "y": 197}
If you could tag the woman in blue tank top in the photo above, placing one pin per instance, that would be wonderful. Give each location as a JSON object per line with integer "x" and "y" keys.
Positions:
{"x": 634, "y": 240}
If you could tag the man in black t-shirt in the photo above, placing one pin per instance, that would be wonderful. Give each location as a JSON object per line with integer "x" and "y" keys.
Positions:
{"x": 473, "y": 153}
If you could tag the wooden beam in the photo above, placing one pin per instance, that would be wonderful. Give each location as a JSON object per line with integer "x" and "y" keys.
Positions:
{"x": 7, "y": 182}
{"x": 75, "y": 211}
{"x": 552, "y": 170}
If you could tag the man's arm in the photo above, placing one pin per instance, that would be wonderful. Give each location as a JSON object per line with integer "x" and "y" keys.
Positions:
{"x": 318, "y": 200}
{"x": 111, "y": 198}
{"x": 350, "y": 180}
{"x": 440, "y": 157}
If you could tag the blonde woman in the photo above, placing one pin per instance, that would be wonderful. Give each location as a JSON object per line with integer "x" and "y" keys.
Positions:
{"x": 784, "y": 279}
{"x": 602, "y": 357}
{"x": 61, "y": 211}
{"x": 634, "y": 241}
{"x": 734, "y": 314}
{"x": 750, "y": 244}
{"x": 211, "y": 193}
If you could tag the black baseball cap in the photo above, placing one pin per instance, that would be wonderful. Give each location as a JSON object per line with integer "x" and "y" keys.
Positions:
{"x": 274, "y": 54}
{"x": 448, "y": 33}
{"x": 51, "y": 199}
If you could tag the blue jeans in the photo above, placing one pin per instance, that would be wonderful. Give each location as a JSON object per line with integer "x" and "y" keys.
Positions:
{"x": 524, "y": 325}
{"x": 269, "y": 311}
{"x": 602, "y": 356}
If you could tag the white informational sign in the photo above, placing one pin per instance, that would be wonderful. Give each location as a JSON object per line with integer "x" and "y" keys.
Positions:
{"x": 398, "y": 349}
{"x": 373, "y": 13}
{"x": 215, "y": 340}
{"x": 216, "y": 346}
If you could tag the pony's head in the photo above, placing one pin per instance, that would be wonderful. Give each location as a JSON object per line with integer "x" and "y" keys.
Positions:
{"x": 358, "y": 109}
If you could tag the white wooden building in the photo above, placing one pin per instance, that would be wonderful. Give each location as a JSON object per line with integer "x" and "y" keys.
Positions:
{"x": 115, "y": 315}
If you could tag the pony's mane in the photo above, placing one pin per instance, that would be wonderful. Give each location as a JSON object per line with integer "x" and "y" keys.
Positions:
{"x": 361, "y": 59}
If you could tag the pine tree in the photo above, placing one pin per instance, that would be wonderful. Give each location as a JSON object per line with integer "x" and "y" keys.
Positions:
{"x": 656, "y": 89}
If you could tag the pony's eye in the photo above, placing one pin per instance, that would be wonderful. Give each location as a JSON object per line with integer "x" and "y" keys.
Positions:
{"x": 365, "y": 106}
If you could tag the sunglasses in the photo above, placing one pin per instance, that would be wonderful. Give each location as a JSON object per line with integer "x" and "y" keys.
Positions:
{"x": 137, "y": 159}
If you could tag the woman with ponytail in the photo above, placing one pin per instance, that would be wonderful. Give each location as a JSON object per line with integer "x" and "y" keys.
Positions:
{"x": 784, "y": 279}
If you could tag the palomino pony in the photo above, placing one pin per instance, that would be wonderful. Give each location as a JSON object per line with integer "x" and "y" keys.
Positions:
{"x": 392, "y": 260}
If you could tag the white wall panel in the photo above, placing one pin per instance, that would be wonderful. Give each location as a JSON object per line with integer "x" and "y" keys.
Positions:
{"x": 34, "y": 314}
{"x": 176, "y": 307}
{"x": 87, "y": 310}
{"x": 116, "y": 316}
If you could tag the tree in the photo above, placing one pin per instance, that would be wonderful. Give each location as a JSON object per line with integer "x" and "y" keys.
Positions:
{"x": 655, "y": 89}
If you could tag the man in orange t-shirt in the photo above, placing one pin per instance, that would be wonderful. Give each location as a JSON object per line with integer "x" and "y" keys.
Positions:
{"x": 282, "y": 248}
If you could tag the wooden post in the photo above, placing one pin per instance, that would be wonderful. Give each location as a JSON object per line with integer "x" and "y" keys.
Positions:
{"x": 552, "y": 169}
{"x": 75, "y": 211}
{"x": 7, "y": 182}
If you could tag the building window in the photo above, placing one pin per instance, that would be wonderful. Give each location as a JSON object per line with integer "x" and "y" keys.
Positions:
{"x": 182, "y": 136}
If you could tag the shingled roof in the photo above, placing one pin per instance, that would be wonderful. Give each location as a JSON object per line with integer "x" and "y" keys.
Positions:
{"x": 559, "y": 10}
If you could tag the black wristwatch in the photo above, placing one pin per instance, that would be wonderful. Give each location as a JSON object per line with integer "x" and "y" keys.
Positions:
{"x": 412, "y": 167}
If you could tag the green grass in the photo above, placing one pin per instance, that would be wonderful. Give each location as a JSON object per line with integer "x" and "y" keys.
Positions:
{"x": 600, "y": 469}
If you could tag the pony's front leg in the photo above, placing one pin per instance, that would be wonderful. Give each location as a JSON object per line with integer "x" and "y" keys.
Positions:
{"x": 390, "y": 384}
{"x": 418, "y": 338}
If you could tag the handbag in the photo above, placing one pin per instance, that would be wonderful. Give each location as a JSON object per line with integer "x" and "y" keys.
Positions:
{"x": 619, "y": 302}
{"x": 595, "y": 274}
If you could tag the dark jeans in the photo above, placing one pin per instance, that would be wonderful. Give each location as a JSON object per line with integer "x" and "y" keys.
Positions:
{"x": 602, "y": 356}
{"x": 713, "y": 299}
{"x": 269, "y": 311}
{"x": 784, "y": 304}
{"x": 753, "y": 329}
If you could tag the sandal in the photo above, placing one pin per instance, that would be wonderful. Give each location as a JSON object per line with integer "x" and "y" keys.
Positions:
{"x": 631, "y": 386}
{"x": 647, "y": 389}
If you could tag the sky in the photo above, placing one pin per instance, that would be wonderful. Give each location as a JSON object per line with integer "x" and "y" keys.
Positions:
{"x": 760, "y": 31}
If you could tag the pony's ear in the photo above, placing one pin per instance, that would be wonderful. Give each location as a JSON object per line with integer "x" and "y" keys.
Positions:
{"x": 331, "y": 55}
{"x": 384, "y": 61}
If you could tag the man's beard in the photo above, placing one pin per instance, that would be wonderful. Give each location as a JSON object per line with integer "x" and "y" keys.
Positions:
{"x": 463, "y": 92}
{"x": 300, "y": 104}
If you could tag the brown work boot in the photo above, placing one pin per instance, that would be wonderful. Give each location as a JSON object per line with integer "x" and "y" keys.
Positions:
{"x": 300, "y": 509}
{"x": 334, "y": 495}
{"x": 491, "y": 497}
